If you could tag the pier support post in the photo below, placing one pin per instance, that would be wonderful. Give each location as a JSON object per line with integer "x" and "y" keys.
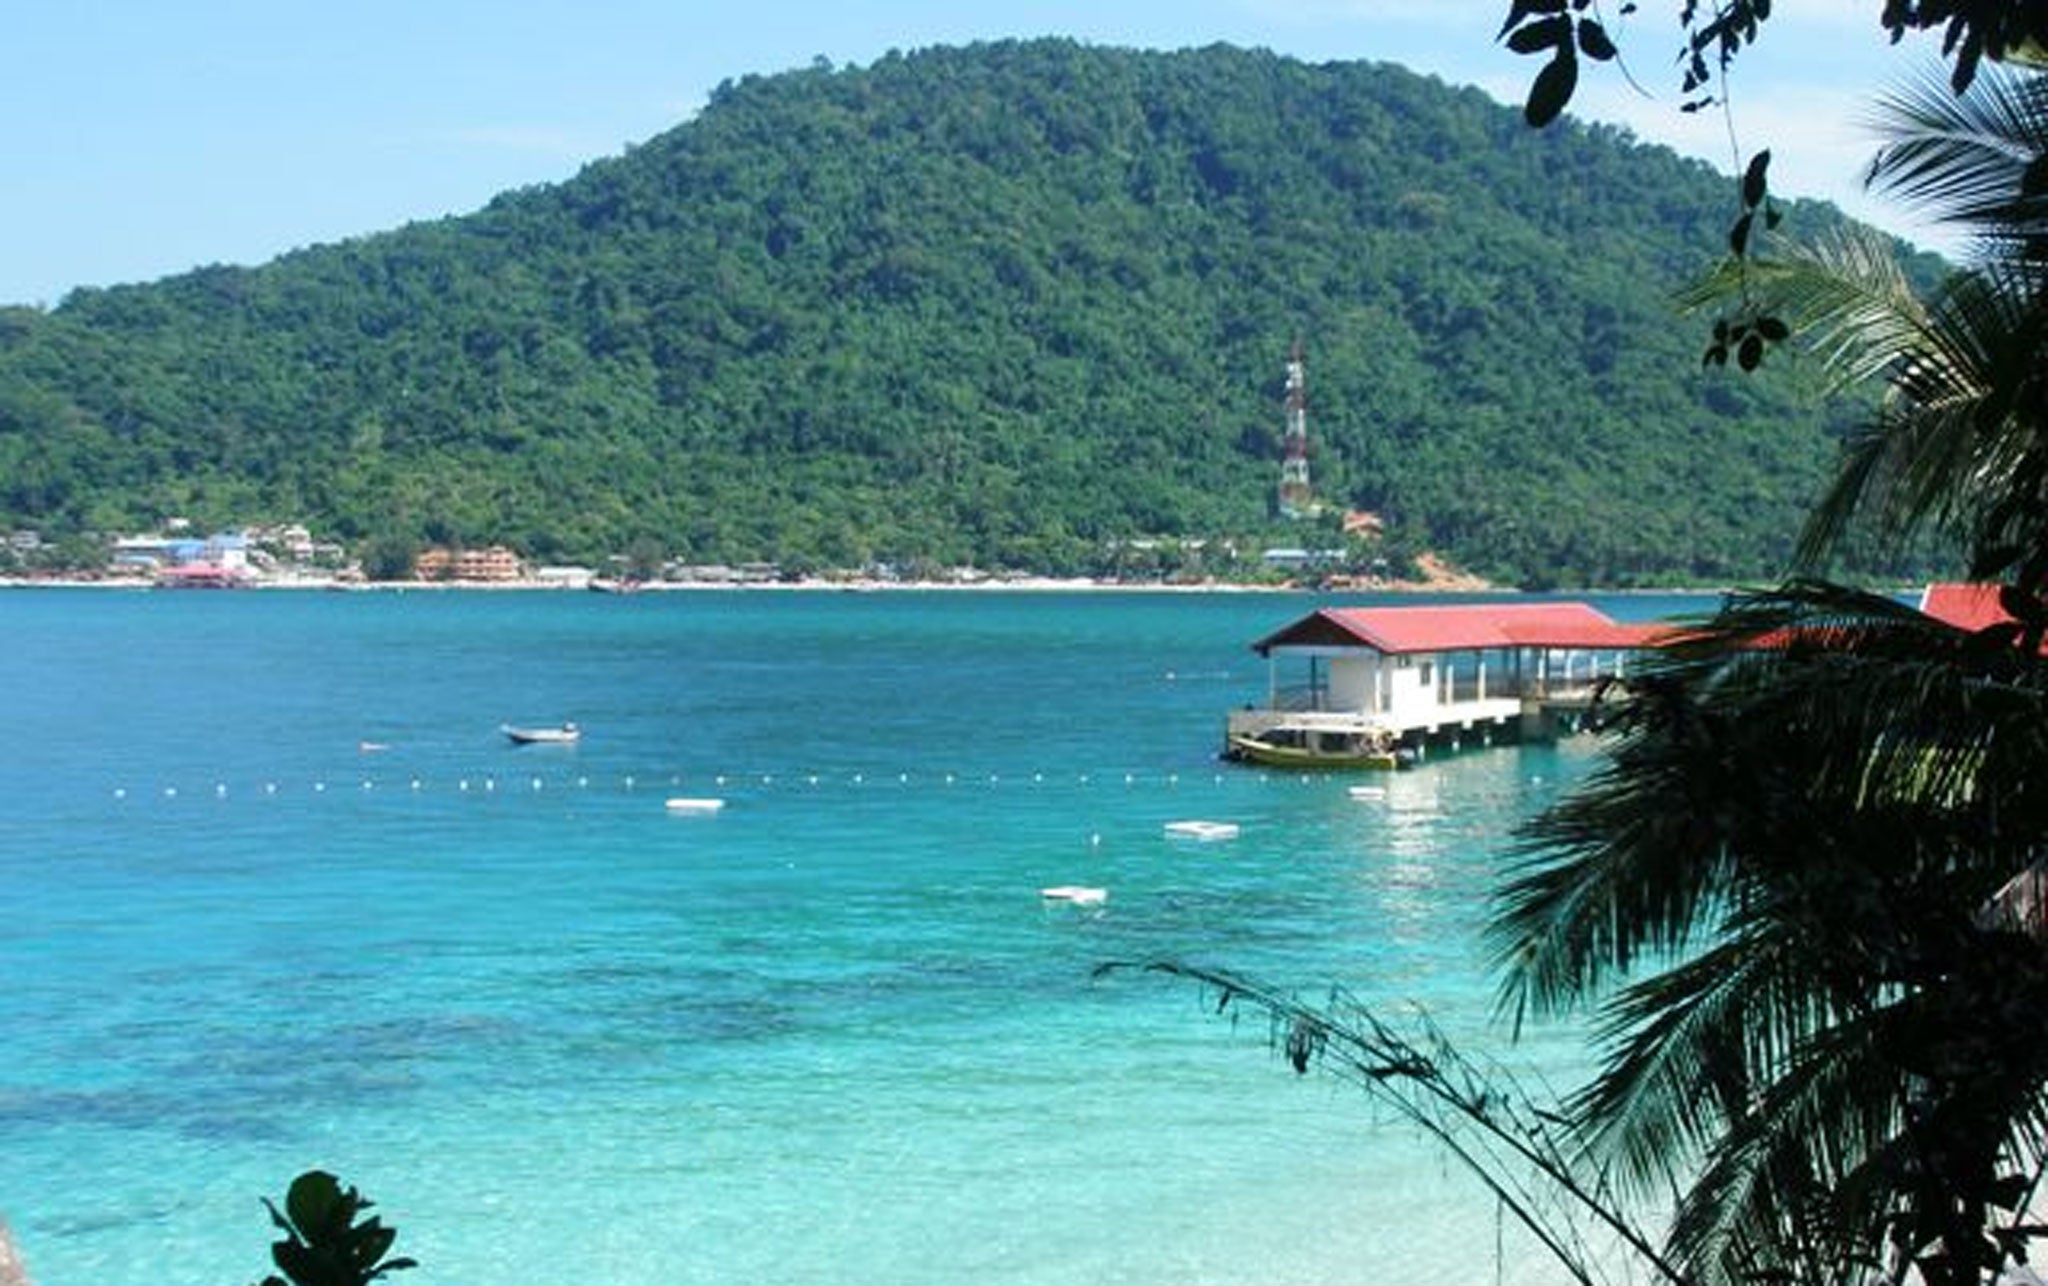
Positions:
{"x": 1539, "y": 722}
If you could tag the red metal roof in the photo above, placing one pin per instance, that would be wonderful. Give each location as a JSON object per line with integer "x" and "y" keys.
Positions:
{"x": 1967, "y": 607}
{"x": 1463, "y": 627}
{"x": 1475, "y": 626}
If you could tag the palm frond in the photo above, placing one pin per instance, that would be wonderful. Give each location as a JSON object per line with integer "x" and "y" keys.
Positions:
{"x": 1772, "y": 1192}
{"x": 1677, "y": 1073}
{"x": 1517, "y": 1147}
{"x": 1721, "y": 746}
{"x": 1968, "y": 159}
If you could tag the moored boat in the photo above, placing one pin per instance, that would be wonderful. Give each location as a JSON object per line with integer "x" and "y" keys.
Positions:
{"x": 566, "y": 734}
{"x": 1303, "y": 748}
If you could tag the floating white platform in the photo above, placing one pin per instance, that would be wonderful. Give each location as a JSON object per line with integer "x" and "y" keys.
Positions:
{"x": 695, "y": 805}
{"x": 1203, "y": 830}
{"x": 1078, "y": 894}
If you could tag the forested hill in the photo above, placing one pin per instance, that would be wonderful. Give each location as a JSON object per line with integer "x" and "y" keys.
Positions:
{"x": 1006, "y": 303}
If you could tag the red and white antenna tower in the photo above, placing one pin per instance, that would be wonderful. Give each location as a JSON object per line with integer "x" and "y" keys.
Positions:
{"x": 1296, "y": 498}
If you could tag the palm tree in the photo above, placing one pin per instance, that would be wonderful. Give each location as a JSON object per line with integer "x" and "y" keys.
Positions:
{"x": 1803, "y": 894}
{"x": 1816, "y": 809}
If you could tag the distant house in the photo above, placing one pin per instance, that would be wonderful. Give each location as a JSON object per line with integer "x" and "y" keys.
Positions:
{"x": 226, "y": 549}
{"x": 202, "y": 575}
{"x": 1397, "y": 678}
{"x": 494, "y": 563}
{"x": 1287, "y": 558}
{"x": 565, "y": 577}
{"x": 196, "y": 561}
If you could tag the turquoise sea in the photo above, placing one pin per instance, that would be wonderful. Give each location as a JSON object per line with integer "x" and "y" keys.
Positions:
{"x": 829, "y": 1034}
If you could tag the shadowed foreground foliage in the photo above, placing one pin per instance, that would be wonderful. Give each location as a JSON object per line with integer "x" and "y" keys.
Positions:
{"x": 323, "y": 1244}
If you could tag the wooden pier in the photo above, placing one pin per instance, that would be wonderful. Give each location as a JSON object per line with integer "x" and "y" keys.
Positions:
{"x": 1414, "y": 679}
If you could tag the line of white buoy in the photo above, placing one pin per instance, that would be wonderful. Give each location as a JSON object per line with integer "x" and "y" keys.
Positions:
{"x": 486, "y": 784}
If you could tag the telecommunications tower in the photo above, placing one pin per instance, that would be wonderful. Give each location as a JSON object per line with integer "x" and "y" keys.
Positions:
{"x": 1296, "y": 499}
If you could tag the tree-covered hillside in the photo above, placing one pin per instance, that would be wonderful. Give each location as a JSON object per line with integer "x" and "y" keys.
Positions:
{"x": 1003, "y": 304}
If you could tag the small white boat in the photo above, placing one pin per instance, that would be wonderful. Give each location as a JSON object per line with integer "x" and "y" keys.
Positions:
{"x": 1202, "y": 830}
{"x": 567, "y": 734}
{"x": 1078, "y": 894}
{"x": 1367, "y": 792}
{"x": 695, "y": 805}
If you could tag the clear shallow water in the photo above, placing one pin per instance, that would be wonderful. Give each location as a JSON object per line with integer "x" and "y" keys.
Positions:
{"x": 831, "y": 1034}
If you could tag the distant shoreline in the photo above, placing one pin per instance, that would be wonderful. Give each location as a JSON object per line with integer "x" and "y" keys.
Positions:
{"x": 1026, "y": 585}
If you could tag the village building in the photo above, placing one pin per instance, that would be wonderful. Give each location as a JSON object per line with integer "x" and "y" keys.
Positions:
{"x": 495, "y": 563}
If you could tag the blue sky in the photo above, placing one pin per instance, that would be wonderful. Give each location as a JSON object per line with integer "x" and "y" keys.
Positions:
{"x": 146, "y": 137}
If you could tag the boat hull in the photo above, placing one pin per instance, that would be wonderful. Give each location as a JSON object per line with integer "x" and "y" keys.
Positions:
{"x": 1253, "y": 751}
{"x": 564, "y": 736}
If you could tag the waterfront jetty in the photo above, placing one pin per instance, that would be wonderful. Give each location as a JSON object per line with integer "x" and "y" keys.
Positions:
{"x": 1384, "y": 686}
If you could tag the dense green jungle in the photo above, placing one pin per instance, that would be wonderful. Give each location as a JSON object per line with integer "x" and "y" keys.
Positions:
{"x": 1022, "y": 305}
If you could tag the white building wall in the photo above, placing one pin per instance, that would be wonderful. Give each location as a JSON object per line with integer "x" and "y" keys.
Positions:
{"x": 1415, "y": 684}
{"x": 1354, "y": 683}
{"x": 1402, "y": 693}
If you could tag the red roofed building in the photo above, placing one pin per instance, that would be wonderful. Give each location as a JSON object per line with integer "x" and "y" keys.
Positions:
{"x": 1398, "y": 631}
{"x": 1396, "y": 678}
{"x": 1967, "y": 607}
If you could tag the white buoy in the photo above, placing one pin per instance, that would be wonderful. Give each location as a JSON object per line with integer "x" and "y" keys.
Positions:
{"x": 680, "y": 805}
{"x": 120, "y": 792}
